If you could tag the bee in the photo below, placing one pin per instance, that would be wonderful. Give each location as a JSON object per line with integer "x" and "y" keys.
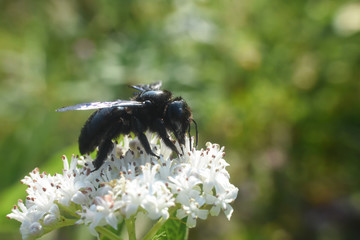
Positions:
{"x": 151, "y": 109}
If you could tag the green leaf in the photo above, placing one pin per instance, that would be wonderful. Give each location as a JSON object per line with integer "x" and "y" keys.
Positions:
{"x": 173, "y": 229}
{"x": 108, "y": 233}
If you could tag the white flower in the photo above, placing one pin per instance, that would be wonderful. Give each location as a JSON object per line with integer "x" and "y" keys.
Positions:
{"x": 185, "y": 186}
{"x": 29, "y": 217}
{"x": 72, "y": 183}
{"x": 191, "y": 208}
{"x": 133, "y": 196}
{"x": 222, "y": 201}
{"x": 130, "y": 181}
{"x": 92, "y": 218}
{"x": 158, "y": 201}
{"x": 34, "y": 229}
{"x": 52, "y": 216}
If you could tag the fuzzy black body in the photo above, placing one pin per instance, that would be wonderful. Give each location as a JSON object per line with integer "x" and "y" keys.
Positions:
{"x": 151, "y": 110}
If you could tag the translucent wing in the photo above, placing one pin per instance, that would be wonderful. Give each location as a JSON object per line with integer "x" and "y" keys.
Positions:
{"x": 99, "y": 105}
{"x": 147, "y": 87}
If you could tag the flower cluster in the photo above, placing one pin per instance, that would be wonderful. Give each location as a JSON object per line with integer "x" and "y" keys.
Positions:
{"x": 130, "y": 181}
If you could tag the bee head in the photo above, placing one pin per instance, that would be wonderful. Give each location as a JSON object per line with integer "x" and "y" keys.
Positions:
{"x": 177, "y": 118}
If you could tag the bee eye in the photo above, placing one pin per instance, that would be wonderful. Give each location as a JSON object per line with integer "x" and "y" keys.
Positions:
{"x": 175, "y": 110}
{"x": 147, "y": 102}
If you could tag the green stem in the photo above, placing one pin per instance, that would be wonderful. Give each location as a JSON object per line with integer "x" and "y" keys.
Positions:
{"x": 130, "y": 225}
{"x": 157, "y": 226}
{"x": 107, "y": 233}
{"x": 154, "y": 229}
{"x": 62, "y": 223}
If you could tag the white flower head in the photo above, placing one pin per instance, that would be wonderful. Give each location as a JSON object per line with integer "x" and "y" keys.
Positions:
{"x": 130, "y": 181}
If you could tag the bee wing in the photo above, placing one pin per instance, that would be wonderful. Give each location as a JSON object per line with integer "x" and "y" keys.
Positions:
{"x": 99, "y": 105}
{"x": 147, "y": 87}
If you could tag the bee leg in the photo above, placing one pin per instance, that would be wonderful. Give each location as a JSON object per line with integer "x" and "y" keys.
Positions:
{"x": 145, "y": 143}
{"x": 180, "y": 139}
{"x": 139, "y": 131}
{"x": 161, "y": 130}
{"x": 104, "y": 149}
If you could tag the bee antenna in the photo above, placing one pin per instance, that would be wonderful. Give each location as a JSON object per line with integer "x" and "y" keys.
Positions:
{"x": 189, "y": 135}
{"x": 197, "y": 133}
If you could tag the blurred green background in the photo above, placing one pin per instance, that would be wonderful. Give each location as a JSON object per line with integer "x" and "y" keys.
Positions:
{"x": 276, "y": 82}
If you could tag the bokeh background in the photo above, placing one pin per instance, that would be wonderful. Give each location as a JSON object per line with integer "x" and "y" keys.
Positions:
{"x": 276, "y": 82}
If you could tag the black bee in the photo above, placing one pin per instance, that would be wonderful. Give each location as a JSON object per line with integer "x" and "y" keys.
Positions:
{"x": 150, "y": 109}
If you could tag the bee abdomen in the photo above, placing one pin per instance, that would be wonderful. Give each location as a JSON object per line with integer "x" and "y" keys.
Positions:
{"x": 97, "y": 127}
